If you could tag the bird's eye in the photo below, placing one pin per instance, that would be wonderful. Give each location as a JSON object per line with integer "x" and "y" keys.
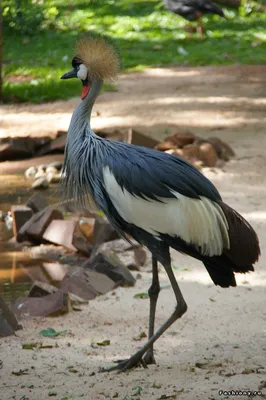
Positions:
{"x": 82, "y": 72}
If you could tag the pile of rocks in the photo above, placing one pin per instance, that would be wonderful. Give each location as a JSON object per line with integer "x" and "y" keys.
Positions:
{"x": 211, "y": 152}
{"x": 42, "y": 175}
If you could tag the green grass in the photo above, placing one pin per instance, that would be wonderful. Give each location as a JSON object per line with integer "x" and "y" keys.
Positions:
{"x": 146, "y": 34}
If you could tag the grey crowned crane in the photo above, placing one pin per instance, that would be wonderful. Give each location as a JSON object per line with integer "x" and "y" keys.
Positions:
{"x": 158, "y": 199}
{"x": 192, "y": 10}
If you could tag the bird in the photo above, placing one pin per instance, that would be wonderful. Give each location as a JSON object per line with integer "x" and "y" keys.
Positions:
{"x": 160, "y": 200}
{"x": 192, "y": 10}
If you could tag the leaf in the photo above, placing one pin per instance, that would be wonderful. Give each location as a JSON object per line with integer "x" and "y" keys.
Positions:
{"x": 29, "y": 386}
{"x": 20, "y": 372}
{"x": 143, "y": 295}
{"x": 29, "y": 346}
{"x": 142, "y": 335}
{"x": 165, "y": 396}
{"x": 52, "y": 394}
{"x": 156, "y": 385}
{"x": 137, "y": 391}
{"x": 211, "y": 299}
{"x": 104, "y": 343}
{"x": 50, "y": 332}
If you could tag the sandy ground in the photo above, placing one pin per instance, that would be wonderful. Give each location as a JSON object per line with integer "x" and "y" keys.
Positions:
{"x": 224, "y": 330}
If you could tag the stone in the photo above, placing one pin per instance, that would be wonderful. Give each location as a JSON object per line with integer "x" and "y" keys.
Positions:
{"x": 55, "y": 146}
{"x": 37, "y": 202}
{"x": 40, "y": 289}
{"x": 166, "y": 145}
{"x": 8, "y": 321}
{"x": 30, "y": 172}
{"x": 35, "y": 227}
{"x": 86, "y": 284}
{"x": 207, "y": 154}
{"x": 223, "y": 150}
{"x": 42, "y": 306}
{"x": 140, "y": 139}
{"x": 40, "y": 183}
{"x": 56, "y": 164}
{"x": 20, "y": 215}
{"x": 80, "y": 242}
{"x": 119, "y": 245}
{"x": 190, "y": 152}
{"x": 87, "y": 227}
{"x": 61, "y": 232}
{"x": 103, "y": 231}
{"x": 109, "y": 264}
{"x": 181, "y": 139}
{"x": 53, "y": 177}
{"x": 14, "y": 148}
{"x": 128, "y": 259}
{"x": 140, "y": 256}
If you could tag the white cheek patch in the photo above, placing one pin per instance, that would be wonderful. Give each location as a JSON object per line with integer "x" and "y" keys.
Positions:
{"x": 82, "y": 72}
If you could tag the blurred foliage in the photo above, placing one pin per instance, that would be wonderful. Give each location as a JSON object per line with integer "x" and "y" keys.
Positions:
{"x": 39, "y": 39}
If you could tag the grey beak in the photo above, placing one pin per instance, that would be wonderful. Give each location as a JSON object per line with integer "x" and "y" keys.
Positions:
{"x": 70, "y": 74}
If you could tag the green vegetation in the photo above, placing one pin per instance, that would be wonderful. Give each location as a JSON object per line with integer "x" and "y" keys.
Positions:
{"x": 37, "y": 54}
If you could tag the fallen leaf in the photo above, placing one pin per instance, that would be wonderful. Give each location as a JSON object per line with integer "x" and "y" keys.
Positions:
{"x": 73, "y": 370}
{"x": 156, "y": 385}
{"x": 165, "y": 396}
{"x": 211, "y": 299}
{"x": 142, "y": 335}
{"x": 52, "y": 394}
{"x": 115, "y": 395}
{"x": 29, "y": 386}
{"x": 248, "y": 371}
{"x": 20, "y": 372}
{"x": 29, "y": 346}
{"x": 143, "y": 295}
{"x": 207, "y": 365}
{"x": 50, "y": 332}
{"x": 104, "y": 343}
{"x": 137, "y": 391}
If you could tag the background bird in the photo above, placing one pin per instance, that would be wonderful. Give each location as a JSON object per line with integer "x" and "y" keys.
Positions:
{"x": 192, "y": 10}
{"x": 158, "y": 199}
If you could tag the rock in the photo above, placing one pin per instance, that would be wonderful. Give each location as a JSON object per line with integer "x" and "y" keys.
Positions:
{"x": 87, "y": 227}
{"x": 55, "y": 146}
{"x": 53, "y": 177}
{"x": 56, "y": 164}
{"x": 40, "y": 289}
{"x": 139, "y": 139}
{"x": 109, "y": 264}
{"x": 39, "y": 174}
{"x": 20, "y": 215}
{"x": 223, "y": 150}
{"x": 207, "y": 154}
{"x": 35, "y": 227}
{"x": 30, "y": 172}
{"x": 42, "y": 306}
{"x": 166, "y": 145}
{"x": 14, "y": 148}
{"x": 37, "y": 202}
{"x": 40, "y": 183}
{"x": 140, "y": 256}
{"x": 103, "y": 231}
{"x": 86, "y": 284}
{"x": 61, "y": 232}
{"x": 181, "y": 139}
{"x": 47, "y": 252}
{"x": 190, "y": 152}
{"x": 119, "y": 245}
{"x": 80, "y": 242}
{"x": 8, "y": 322}
{"x": 128, "y": 259}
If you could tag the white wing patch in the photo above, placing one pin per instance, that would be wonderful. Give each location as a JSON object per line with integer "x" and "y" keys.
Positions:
{"x": 200, "y": 222}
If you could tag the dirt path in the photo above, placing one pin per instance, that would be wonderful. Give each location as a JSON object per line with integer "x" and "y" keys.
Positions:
{"x": 220, "y": 343}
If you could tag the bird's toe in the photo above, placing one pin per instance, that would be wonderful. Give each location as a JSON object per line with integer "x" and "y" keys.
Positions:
{"x": 149, "y": 358}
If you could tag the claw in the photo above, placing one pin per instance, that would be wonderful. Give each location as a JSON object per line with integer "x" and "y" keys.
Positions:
{"x": 124, "y": 365}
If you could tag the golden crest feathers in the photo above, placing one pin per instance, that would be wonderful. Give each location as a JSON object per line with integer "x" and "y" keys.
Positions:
{"x": 99, "y": 56}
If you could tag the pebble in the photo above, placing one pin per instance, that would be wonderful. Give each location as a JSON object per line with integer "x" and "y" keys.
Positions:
{"x": 56, "y": 164}
{"x": 30, "y": 172}
{"x": 40, "y": 183}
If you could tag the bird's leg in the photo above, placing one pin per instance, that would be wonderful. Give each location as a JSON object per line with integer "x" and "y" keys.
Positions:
{"x": 153, "y": 291}
{"x": 180, "y": 309}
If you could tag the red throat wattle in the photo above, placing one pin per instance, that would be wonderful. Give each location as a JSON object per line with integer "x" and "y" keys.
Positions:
{"x": 85, "y": 91}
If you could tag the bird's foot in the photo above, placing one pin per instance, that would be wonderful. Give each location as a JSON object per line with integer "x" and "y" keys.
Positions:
{"x": 149, "y": 357}
{"x": 123, "y": 365}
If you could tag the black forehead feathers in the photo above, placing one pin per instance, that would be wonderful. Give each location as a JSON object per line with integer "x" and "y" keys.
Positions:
{"x": 76, "y": 61}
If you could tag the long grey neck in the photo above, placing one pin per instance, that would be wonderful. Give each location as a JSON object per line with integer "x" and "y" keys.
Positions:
{"x": 82, "y": 115}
